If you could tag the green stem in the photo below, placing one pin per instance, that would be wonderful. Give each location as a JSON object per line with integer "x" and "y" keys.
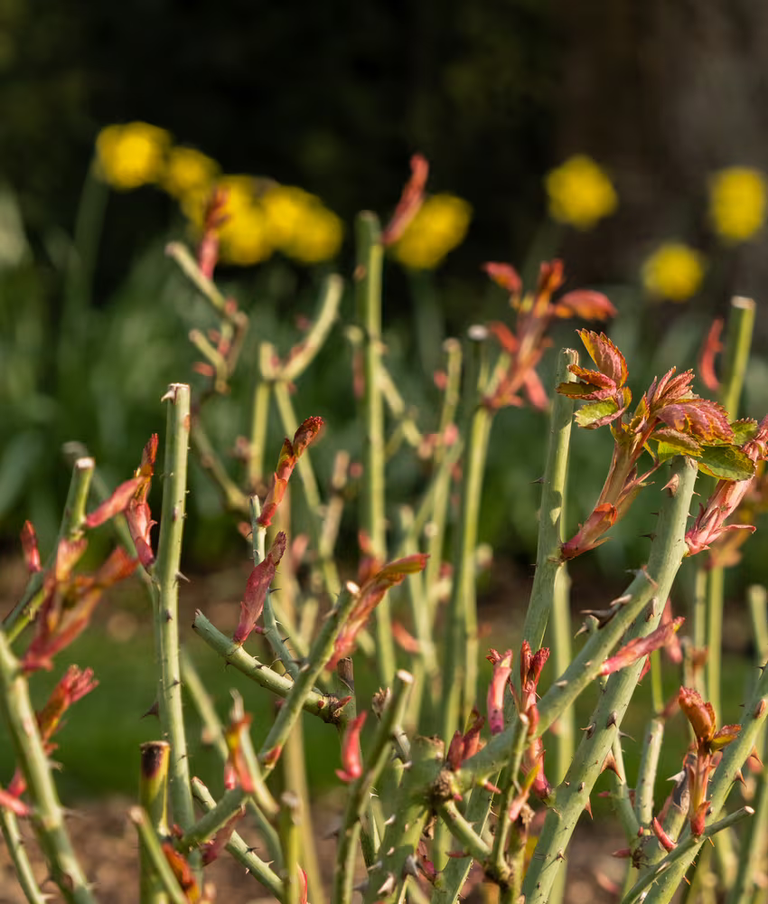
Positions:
{"x": 290, "y": 823}
{"x": 368, "y": 274}
{"x": 460, "y": 665}
{"x": 17, "y": 852}
{"x": 412, "y": 808}
{"x": 71, "y": 527}
{"x": 461, "y": 829}
{"x": 214, "y": 819}
{"x": 646, "y": 779}
{"x": 48, "y": 818}
{"x": 655, "y": 882}
{"x": 715, "y": 602}
{"x": 166, "y": 599}
{"x": 327, "y": 312}
{"x": 666, "y": 555}
{"x": 621, "y": 798}
{"x": 153, "y": 798}
{"x": 302, "y": 690}
{"x": 239, "y": 849}
{"x": 360, "y": 791}
{"x": 232, "y": 496}
{"x": 737, "y": 345}
{"x": 215, "y": 736}
{"x": 550, "y": 567}
{"x": 205, "y": 286}
{"x": 321, "y": 705}
{"x": 150, "y": 845}
{"x": 725, "y": 775}
{"x": 259, "y": 423}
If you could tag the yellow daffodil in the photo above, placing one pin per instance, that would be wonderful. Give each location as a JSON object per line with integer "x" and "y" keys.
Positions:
{"x": 438, "y": 227}
{"x": 580, "y": 192}
{"x": 675, "y": 271}
{"x": 188, "y": 171}
{"x": 737, "y": 198}
{"x": 131, "y": 155}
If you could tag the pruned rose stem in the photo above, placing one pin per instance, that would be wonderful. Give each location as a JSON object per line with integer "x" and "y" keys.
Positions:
{"x": 48, "y": 818}
{"x": 321, "y": 705}
{"x": 242, "y": 852}
{"x": 303, "y": 688}
{"x": 166, "y": 600}
{"x": 150, "y": 845}
{"x": 153, "y": 797}
{"x": 368, "y": 277}
{"x": 460, "y": 662}
{"x": 361, "y": 788}
{"x": 289, "y": 824}
{"x": 411, "y": 810}
{"x": 215, "y": 731}
{"x": 667, "y": 551}
{"x": 725, "y": 775}
{"x": 71, "y": 527}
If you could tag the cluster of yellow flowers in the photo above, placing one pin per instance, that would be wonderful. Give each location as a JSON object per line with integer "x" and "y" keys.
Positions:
{"x": 438, "y": 227}
{"x": 258, "y": 216}
{"x": 581, "y": 193}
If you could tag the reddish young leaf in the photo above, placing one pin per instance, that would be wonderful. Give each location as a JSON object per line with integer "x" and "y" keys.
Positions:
{"x": 586, "y": 304}
{"x": 608, "y": 359}
{"x": 73, "y": 686}
{"x": 642, "y": 646}
{"x": 701, "y": 715}
{"x": 351, "y": 757}
{"x": 212, "y": 849}
{"x": 30, "y": 548}
{"x": 116, "y": 504}
{"x": 368, "y": 597}
{"x": 505, "y": 276}
{"x": 502, "y": 669}
{"x": 410, "y": 201}
{"x": 712, "y": 348}
{"x": 236, "y": 771}
{"x": 10, "y": 802}
{"x": 257, "y": 588}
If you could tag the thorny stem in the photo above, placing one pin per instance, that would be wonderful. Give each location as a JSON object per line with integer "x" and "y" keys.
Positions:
{"x": 550, "y": 567}
{"x": 646, "y": 777}
{"x": 289, "y": 826}
{"x": 621, "y": 798}
{"x": 454, "y": 875}
{"x": 724, "y": 777}
{"x": 71, "y": 527}
{"x": 48, "y": 818}
{"x": 361, "y": 789}
{"x": 214, "y": 731}
{"x": 151, "y": 847}
{"x": 166, "y": 599}
{"x": 18, "y": 854}
{"x": 205, "y": 286}
{"x": 655, "y": 881}
{"x": 213, "y": 820}
{"x": 737, "y": 345}
{"x": 460, "y": 665}
{"x": 239, "y": 849}
{"x": 153, "y": 798}
{"x": 666, "y": 555}
{"x": 302, "y": 690}
{"x": 324, "y": 706}
{"x": 370, "y": 255}
{"x": 412, "y": 807}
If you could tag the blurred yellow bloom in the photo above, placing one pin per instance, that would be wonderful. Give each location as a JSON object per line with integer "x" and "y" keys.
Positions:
{"x": 245, "y": 238}
{"x": 188, "y": 171}
{"x": 675, "y": 271}
{"x": 737, "y": 199}
{"x": 300, "y": 225}
{"x": 131, "y": 155}
{"x": 438, "y": 227}
{"x": 580, "y": 193}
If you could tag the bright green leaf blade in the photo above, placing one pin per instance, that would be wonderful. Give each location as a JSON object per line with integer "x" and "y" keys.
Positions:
{"x": 726, "y": 463}
{"x": 597, "y": 413}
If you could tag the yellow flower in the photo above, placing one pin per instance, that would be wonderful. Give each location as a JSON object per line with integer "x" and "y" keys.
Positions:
{"x": 580, "y": 193}
{"x": 319, "y": 236}
{"x": 131, "y": 155}
{"x": 737, "y": 199}
{"x": 245, "y": 238}
{"x": 675, "y": 271}
{"x": 285, "y": 206}
{"x": 438, "y": 227}
{"x": 188, "y": 171}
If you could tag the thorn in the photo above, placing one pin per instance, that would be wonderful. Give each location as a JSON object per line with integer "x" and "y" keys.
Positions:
{"x": 391, "y": 820}
{"x": 590, "y": 729}
{"x": 411, "y": 866}
{"x": 182, "y": 577}
{"x": 538, "y": 480}
{"x": 623, "y": 734}
{"x": 153, "y": 710}
{"x": 561, "y": 684}
{"x": 613, "y": 718}
{"x": 388, "y": 885}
